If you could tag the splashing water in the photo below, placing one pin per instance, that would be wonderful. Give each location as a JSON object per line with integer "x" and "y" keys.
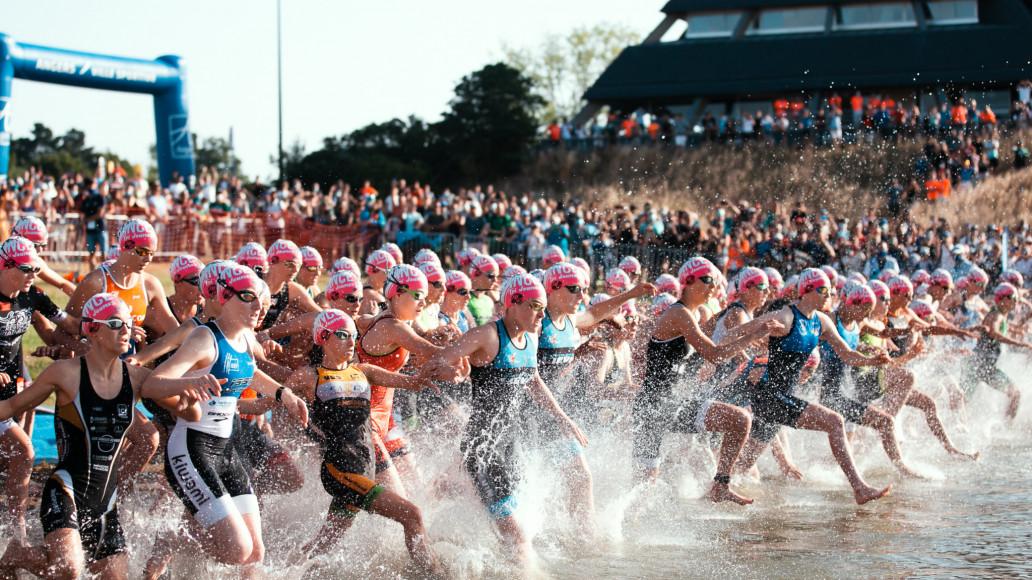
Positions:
{"x": 963, "y": 518}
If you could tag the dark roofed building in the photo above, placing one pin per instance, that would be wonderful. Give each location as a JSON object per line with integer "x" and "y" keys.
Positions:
{"x": 730, "y": 51}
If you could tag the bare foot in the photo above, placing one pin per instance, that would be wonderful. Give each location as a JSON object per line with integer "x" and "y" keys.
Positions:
{"x": 972, "y": 456}
{"x": 867, "y": 494}
{"x": 792, "y": 472}
{"x": 721, "y": 492}
{"x": 907, "y": 472}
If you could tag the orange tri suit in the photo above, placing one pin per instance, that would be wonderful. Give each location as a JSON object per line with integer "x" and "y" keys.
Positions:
{"x": 381, "y": 401}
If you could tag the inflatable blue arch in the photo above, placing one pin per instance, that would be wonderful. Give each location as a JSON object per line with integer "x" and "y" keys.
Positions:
{"x": 162, "y": 77}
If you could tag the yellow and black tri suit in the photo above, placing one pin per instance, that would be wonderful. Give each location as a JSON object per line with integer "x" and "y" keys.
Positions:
{"x": 341, "y": 411}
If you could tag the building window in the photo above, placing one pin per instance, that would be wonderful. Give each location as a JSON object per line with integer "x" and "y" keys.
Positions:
{"x": 953, "y": 12}
{"x": 789, "y": 21}
{"x": 712, "y": 25}
{"x": 882, "y": 15}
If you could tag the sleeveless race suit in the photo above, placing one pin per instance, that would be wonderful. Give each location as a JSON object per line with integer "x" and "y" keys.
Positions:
{"x": 135, "y": 297}
{"x": 461, "y": 321}
{"x": 556, "y": 345}
{"x": 983, "y": 362}
{"x": 340, "y": 411}
{"x": 482, "y": 307}
{"x": 15, "y": 320}
{"x": 81, "y": 492}
{"x": 834, "y": 376}
{"x": 489, "y": 441}
{"x": 668, "y": 363}
{"x": 735, "y": 392}
{"x": 773, "y": 401}
{"x": 201, "y": 465}
{"x": 381, "y": 403}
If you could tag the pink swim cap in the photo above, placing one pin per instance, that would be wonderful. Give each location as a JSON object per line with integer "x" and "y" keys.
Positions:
{"x": 695, "y": 268}
{"x": 456, "y": 280}
{"x": 513, "y": 270}
{"x": 394, "y": 250}
{"x": 284, "y": 251}
{"x": 405, "y": 277}
{"x": 920, "y": 276}
{"x": 31, "y": 228}
{"x": 1005, "y": 290}
{"x": 880, "y": 289}
{"x": 564, "y": 274}
{"x": 185, "y": 267}
{"x": 209, "y": 278}
{"x": 137, "y": 233}
{"x": 617, "y": 280}
{"x": 253, "y": 255}
{"x": 503, "y": 261}
{"x": 104, "y": 306}
{"x": 1013, "y": 277}
{"x": 466, "y": 256}
{"x": 330, "y": 321}
{"x": 811, "y": 279}
{"x": 855, "y": 294}
{"x": 941, "y": 277}
{"x": 343, "y": 283}
{"x": 977, "y": 276}
{"x": 236, "y": 278}
{"x": 433, "y": 271}
{"x": 900, "y": 285}
{"x": 631, "y": 265}
{"x": 379, "y": 260}
{"x": 750, "y": 277}
{"x": 345, "y": 263}
{"x": 311, "y": 257}
{"x": 16, "y": 252}
{"x": 552, "y": 255}
{"x": 582, "y": 264}
{"x": 668, "y": 283}
{"x": 426, "y": 255}
{"x": 483, "y": 264}
{"x": 522, "y": 289}
{"x": 661, "y": 302}
{"x": 923, "y": 309}
{"x": 774, "y": 278}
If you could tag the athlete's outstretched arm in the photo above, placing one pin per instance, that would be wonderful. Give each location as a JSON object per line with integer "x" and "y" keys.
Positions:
{"x": 292, "y": 327}
{"x": 48, "y": 275}
{"x": 168, "y": 342}
{"x": 45, "y": 385}
{"x": 197, "y": 351}
{"x": 607, "y": 308}
{"x": 303, "y": 300}
{"x": 542, "y": 395}
{"x": 829, "y": 334}
{"x": 264, "y": 384}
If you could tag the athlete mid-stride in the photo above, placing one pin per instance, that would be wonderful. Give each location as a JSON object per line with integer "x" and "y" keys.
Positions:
{"x": 95, "y": 395}
{"x": 338, "y": 391}
{"x": 212, "y": 368}
{"x": 503, "y": 357}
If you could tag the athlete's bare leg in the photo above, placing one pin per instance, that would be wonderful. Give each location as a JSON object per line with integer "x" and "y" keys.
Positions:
{"x": 819, "y": 418}
{"x": 926, "y": 405}
{"x": 735, "y": 424}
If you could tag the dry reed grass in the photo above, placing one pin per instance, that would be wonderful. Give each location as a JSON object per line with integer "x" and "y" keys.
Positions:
{"x": 848, "y": 180}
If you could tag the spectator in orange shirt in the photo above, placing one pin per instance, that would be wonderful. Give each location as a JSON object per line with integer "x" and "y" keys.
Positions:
{"x": 555, "y": 132}
{"x": 959, "y": 115}
{"x": 987, "y": 117}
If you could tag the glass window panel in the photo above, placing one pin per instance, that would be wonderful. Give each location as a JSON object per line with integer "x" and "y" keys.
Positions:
{"x": 789, "y": 21}
{"x": 716, "y": 24}
{"x": 953, "y": 11}
{"x": 882, "y": 15}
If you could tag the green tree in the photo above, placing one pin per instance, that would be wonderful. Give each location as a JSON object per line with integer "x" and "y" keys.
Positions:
{"x": 490, "y": 126}
{"x": 564, "y": 67}
{"x": 216, "y": 153}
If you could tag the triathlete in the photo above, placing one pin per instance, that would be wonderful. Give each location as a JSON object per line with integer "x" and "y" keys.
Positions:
{"x": 483, "y": 302}
{"x": 983, "y": 365}
{"x": 376, "y": 267}
{"x": 211, "y": 370}
{"x": 311, "y": 270}
{"x": 95, "y": 395}
{"x": 803, "y": 326}
{"x": 503, "y": 356}
{"x": 338, "y": 393}
{"x": 33, "y": 229}
{"x": 675, "y": 353}
{"x": 19, "y": 302}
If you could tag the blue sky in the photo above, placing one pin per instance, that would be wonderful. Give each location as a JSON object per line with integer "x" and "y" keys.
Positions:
{"x": 346, "y": 63}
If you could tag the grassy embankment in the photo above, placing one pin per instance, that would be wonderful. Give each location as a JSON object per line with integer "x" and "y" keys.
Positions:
{"x": 848, "y": 180}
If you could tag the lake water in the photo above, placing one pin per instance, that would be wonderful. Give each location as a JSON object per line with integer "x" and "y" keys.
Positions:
{"x": 964, "y": 519}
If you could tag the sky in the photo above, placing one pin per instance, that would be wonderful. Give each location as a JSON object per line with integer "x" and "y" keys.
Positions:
{"x": 346, "y": 63}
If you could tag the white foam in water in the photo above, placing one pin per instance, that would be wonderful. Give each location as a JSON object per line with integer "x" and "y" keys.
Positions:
{"x": 667, "y": 529}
